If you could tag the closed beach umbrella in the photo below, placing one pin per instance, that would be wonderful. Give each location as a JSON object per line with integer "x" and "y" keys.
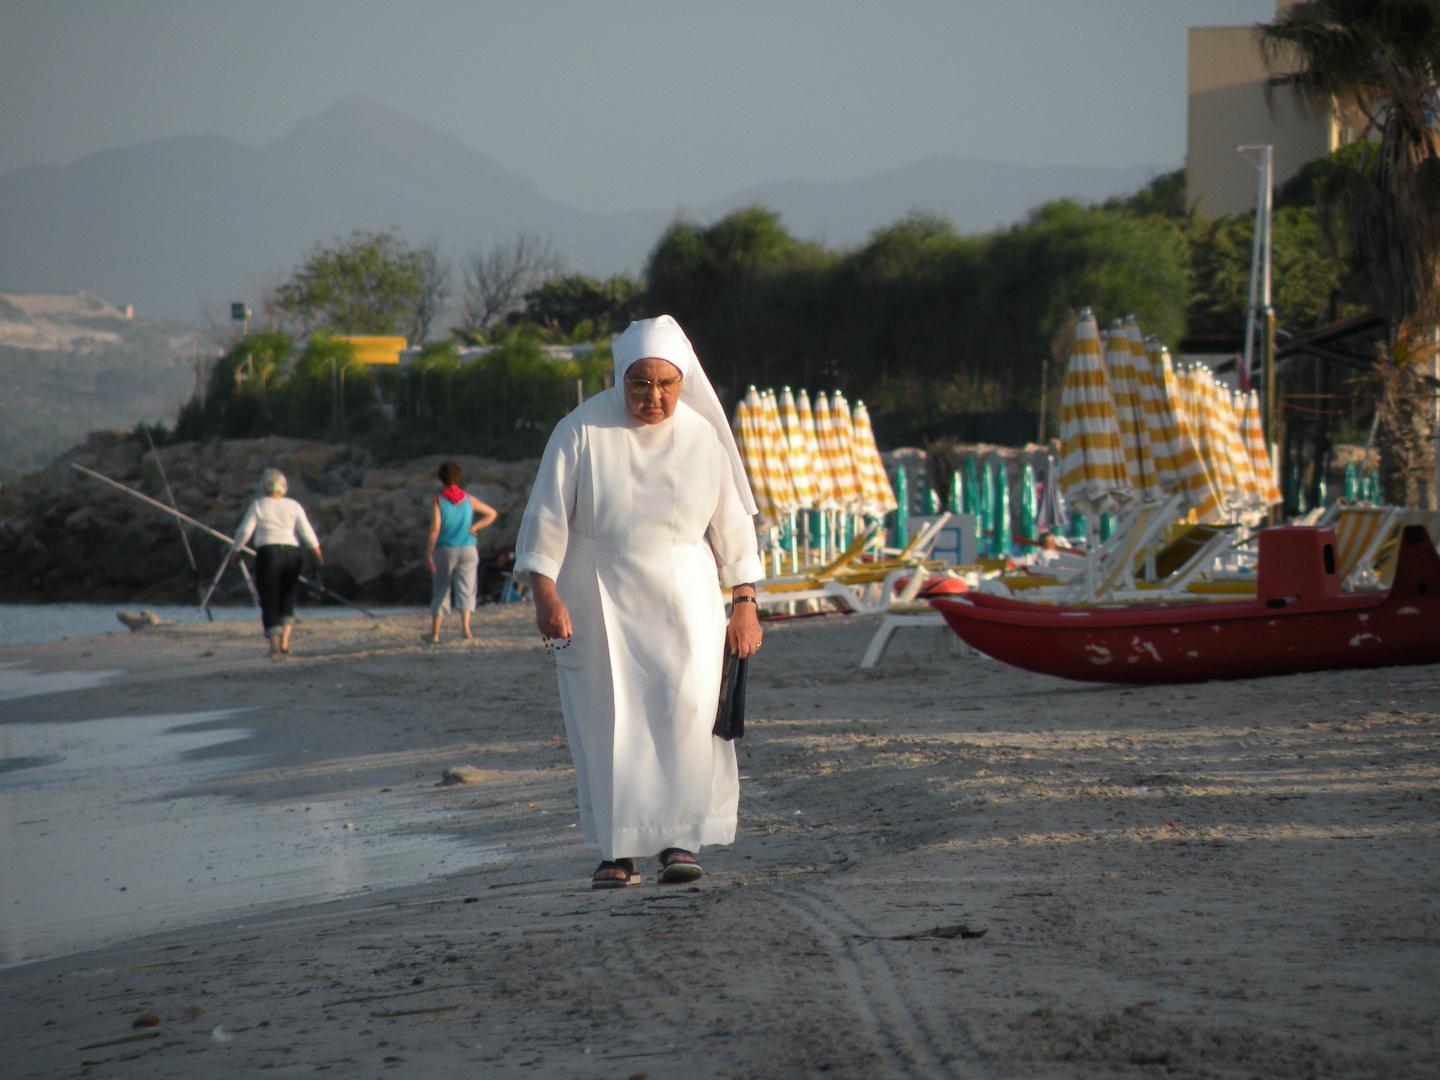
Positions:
{"x": 747, "y": 425}
{"x": 1352, "y": 481}
{"x": 782, "y": 487}
{"x": 1178, "y": 465}
{"x": 1000, "y": 545}
{"x": 1209, "y": 437}
{"x": 797, "y": 452}
{"x": 1142, "y": 377}
{"x": 902, "y": 508}
{"x": 820, "y": 485}
{"x": 825, "y": 434}
{"x": 1092, "y": 469}
{"x": 876, "y": 498}
{"x": 1125, "y": 390}
{"x": 835, "y": 456}
{"x": 956, "y": 502}
{"x": 971, "y": 493}
{"x": 1029, "y": 504}
{"x": 1253, "y": 433}
{"x": 1246, "y": 478}
{"x": 986, "y": 512}
{"x": 1052, "y": 517}
{"x": 847, "y": 463}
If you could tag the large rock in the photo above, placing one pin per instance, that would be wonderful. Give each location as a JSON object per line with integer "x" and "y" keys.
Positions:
{"x": 357, "y": 551}
{"x": 66, "y": 536}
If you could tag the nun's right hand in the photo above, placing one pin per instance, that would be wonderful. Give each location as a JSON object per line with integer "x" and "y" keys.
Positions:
{"x": 551, "y": 614}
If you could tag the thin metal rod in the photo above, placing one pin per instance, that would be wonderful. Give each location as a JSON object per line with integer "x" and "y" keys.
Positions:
{"x": 250, "y": 584}
{"x": 184, "y": 537}
{"x": 244, "y": 548}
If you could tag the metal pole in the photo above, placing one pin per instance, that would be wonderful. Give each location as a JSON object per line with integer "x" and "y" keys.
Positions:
{"x": 244, "y": 549}
{"x": 190, "y": 555}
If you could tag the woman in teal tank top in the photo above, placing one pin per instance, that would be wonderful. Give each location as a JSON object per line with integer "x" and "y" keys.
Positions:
{"x": 452, "y": 555}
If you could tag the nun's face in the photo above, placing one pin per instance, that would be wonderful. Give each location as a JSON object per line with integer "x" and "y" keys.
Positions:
{"x": 652, "y": 389}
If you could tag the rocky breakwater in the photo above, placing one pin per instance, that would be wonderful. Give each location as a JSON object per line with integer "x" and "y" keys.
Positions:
{"x": 67, "y": 537}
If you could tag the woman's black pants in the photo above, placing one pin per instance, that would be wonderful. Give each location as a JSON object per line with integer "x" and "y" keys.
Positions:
{"x": 277, "y": 573}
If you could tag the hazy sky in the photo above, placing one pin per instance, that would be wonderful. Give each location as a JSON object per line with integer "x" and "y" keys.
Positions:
{"x": 623, "y": 105}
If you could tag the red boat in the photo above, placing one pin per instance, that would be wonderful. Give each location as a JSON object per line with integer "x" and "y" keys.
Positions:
{"x": 1298, "y": 621}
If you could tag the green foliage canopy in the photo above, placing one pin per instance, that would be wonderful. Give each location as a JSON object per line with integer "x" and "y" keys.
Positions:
{"x": 370, "y": 283}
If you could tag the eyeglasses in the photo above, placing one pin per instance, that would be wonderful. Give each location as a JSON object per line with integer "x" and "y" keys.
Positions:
{"x": 641, "y": 387}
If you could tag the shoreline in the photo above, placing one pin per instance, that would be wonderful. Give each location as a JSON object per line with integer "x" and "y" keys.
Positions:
{"x": 1217, "y": 879}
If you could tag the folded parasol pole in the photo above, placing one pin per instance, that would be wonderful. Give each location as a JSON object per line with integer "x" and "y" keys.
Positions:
{"x": 245, "y": 549}
{"x": 184, "y": 538}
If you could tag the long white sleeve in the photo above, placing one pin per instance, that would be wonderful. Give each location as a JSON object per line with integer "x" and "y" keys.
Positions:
{"x": 545, "y": 527}
{"x": 732, "y": 538}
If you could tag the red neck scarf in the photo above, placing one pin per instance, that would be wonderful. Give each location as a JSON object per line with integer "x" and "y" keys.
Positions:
{"x": 454, "y": 494}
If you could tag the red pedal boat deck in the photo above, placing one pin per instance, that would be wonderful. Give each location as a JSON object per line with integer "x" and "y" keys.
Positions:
{"x": 1299, "y": 621}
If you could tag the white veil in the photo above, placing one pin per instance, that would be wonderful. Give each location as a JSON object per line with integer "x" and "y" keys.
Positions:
{"x": 662, "y": 339}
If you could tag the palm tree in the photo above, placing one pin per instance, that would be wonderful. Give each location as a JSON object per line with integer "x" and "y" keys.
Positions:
{"x": 1379, "y": 59}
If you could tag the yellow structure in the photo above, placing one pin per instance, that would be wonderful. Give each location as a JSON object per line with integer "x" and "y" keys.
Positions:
{"x": 1227, "y": 108}
{"x": 376, "y": 350}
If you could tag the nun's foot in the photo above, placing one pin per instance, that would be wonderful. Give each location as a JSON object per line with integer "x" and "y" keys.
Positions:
{"x": 678, "y": 866}
{"x": 615, "y": 874}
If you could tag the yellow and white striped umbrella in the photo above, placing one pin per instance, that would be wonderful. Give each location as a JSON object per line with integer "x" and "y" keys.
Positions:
{"x": 877, "y": 496}
{"x": 777, "y": 464}
{"x": 1142, "y": 379}
{"x": 845, "y": 436}
{"x": 1253, "y": 433}
{"x": 1196, "y": 388}
{"x": 1092, "y": 468}
{"x": 1247, "y": 484}
{"x": 1125, "y": 389}
{"x": 834, "y": 435}
{"x": 797, "y": 450}
{"x": 746, "y": 424}
{"x": 1178, "y": 464}
{"x": 821, "y": 486}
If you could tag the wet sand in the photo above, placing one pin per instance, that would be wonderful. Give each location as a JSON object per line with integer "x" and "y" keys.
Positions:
{"x": 1227, "y": 880}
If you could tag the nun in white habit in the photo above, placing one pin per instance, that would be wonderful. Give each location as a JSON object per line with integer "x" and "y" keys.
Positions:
{"x": 640, "y": 515}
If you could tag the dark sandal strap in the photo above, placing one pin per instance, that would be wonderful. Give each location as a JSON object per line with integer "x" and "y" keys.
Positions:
{"x": 672, "y": 856}
{"x": 628, "y": 867}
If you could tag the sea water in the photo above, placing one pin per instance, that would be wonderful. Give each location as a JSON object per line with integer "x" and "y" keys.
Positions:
{"x": 96, "y": 847}
{"x": 23, "y": 624}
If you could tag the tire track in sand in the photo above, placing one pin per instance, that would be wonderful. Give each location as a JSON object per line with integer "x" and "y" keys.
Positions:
{"x": 912, "y": 1046}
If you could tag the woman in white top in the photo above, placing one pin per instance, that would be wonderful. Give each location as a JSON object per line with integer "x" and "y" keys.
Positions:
{"x": 279, "y": 526}
{"x": 640, "y": 514}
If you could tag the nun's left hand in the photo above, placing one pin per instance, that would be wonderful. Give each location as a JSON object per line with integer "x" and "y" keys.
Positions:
{"x": 743, "y": 634}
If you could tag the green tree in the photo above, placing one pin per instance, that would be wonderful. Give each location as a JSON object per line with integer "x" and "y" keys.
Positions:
{"x": 370, "y": 283}
{"x": 583, "y": 307}
{"x": 1381, "y": 59}
{"x": 1306, "y": 272}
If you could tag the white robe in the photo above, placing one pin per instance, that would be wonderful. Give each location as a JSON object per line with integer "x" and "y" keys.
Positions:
{"x": 640, "y": 526}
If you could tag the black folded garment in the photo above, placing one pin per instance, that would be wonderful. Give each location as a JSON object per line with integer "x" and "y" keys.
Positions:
{"x": 730, "y": 716}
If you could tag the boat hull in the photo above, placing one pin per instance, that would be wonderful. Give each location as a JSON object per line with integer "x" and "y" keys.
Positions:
{"x": 1196, "y": 642}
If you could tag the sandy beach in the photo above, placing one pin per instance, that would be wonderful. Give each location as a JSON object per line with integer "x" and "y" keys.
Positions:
{"x": 944, "y": 868}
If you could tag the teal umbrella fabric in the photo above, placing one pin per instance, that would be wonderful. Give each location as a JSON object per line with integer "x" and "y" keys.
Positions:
{"x": 1000, "y": 545}
{"x": 1352, "y": 482}
{"x": 902, "y": 512}
{"x": 1029, "y": 504}
{"x": 972, "y": 488}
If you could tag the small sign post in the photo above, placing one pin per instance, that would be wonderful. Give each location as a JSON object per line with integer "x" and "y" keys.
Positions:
{"x": 241, "y": 313}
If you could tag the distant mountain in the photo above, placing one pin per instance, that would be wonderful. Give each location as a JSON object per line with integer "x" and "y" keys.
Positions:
{"x": 170, "y": 225}
{"x": 976, "y": 195}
